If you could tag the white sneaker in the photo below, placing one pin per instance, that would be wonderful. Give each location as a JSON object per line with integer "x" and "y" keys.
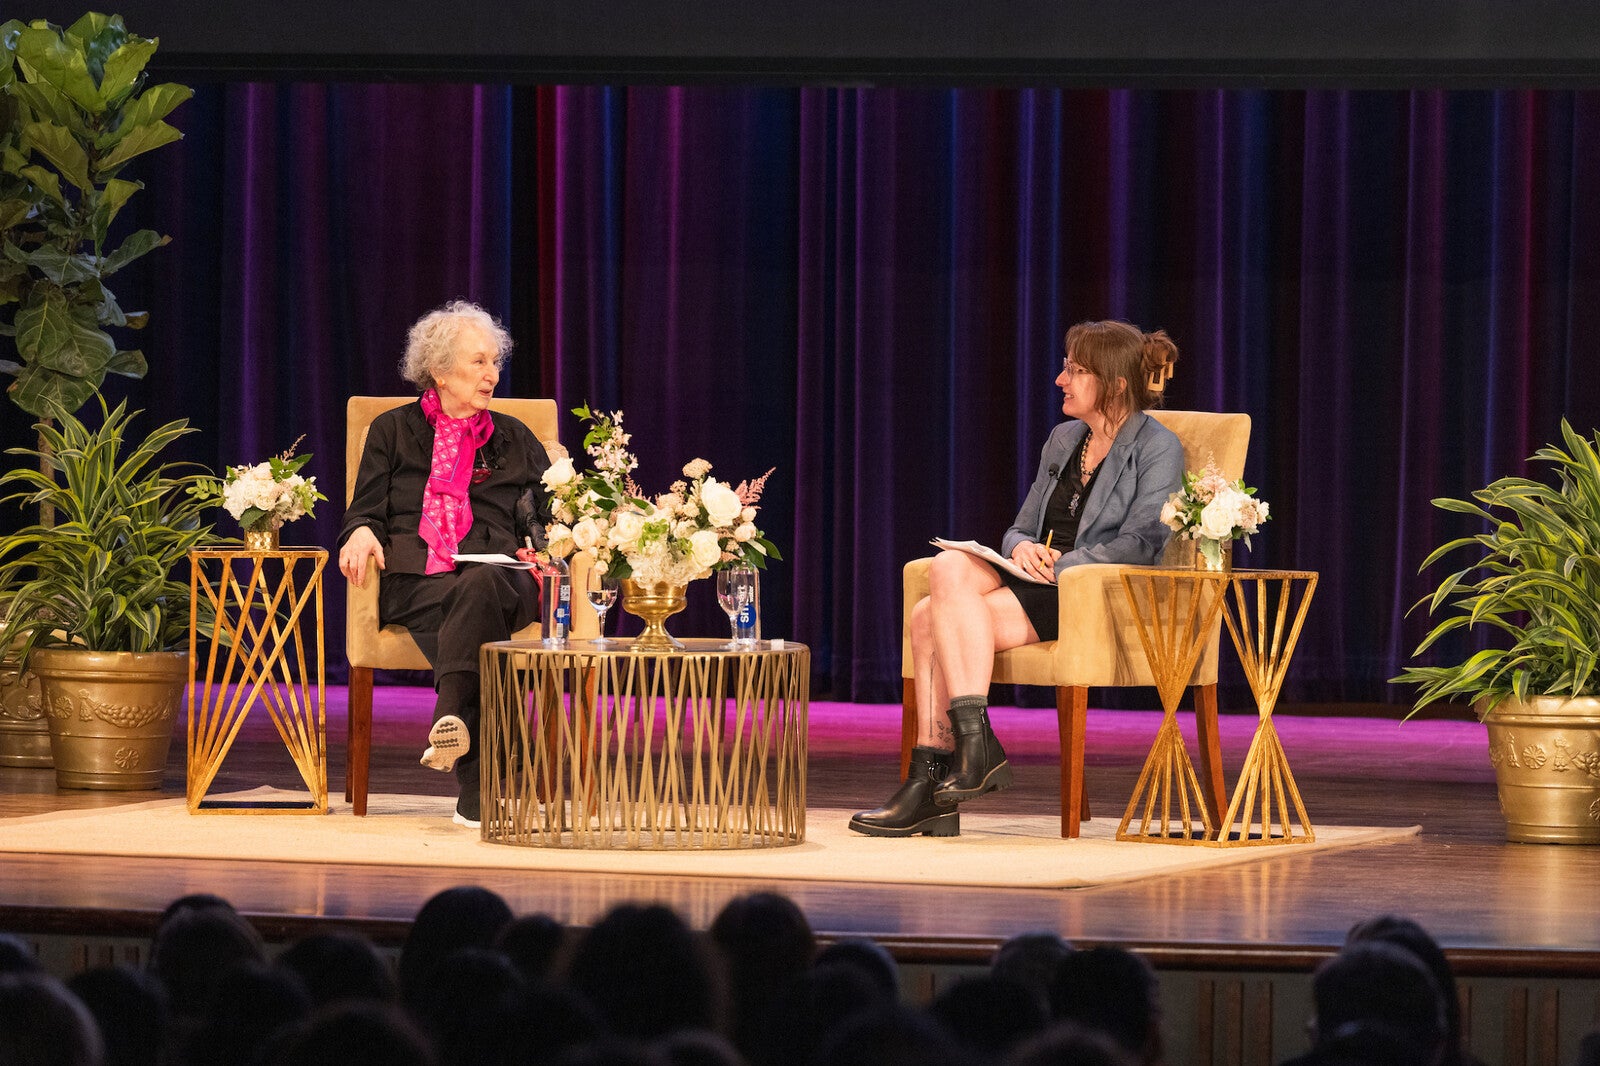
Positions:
{"x": 461, "y": 819}
{"x": 448, "y": 740}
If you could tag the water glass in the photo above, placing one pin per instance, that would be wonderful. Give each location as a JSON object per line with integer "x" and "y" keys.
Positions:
{"x": 736, "y": 594}
{"x": 601, "y": 591}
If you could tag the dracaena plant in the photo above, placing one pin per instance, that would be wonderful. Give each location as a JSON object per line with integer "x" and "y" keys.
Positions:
{"x": 106, "y": 576}
{"x": 1535, "y": 584}
{"x": 74, "y": 110}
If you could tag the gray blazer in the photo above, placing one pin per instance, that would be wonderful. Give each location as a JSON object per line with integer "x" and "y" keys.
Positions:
{"x": 1122, "y": 517}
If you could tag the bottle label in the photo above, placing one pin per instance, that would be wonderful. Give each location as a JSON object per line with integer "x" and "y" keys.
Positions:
{"x": 747, "y": 616}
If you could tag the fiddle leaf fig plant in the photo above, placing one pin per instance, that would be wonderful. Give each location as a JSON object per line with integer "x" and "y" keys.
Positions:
{"x": 1536, "y": 583}
{"x": 76, "y": 110}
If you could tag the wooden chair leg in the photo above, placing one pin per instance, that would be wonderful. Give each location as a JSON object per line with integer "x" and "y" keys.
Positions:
{"x": 358, "y": 739}
{"x": 908, "y": 723}
{"x": 1072, "y": 718}
{"x": 1210, "y": 741}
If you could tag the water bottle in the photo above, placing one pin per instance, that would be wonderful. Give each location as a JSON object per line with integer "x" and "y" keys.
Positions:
{"x": 747, "y": 622}
{"x": 555, "y": 603}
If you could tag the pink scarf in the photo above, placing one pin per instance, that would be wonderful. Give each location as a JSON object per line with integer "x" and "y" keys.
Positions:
{"x": 446, "y": 510}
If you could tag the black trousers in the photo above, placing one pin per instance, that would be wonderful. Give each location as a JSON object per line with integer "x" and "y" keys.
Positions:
{"x": 451, "y": 616}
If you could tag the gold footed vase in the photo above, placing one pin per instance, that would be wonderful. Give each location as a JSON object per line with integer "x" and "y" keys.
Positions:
{"x": 110, "y": 714}
{"x": 654, "y": 604}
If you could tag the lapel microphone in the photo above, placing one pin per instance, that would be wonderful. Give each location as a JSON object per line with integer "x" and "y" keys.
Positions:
{"x": 1054, "y": 472}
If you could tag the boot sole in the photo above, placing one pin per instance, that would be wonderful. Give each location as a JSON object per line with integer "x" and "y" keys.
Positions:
{"x": 447, "y": 742}
{"x": 940, "y": 825}
{"x": 997, "y": 780}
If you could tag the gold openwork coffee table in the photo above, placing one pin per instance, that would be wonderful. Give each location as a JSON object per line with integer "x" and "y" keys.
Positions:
{"x": 607, "y": 746}
{"x": 1176, "y": 611}
{"x": 261, "y": 612}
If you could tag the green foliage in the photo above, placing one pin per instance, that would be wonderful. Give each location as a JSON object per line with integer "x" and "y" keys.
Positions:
{"x": 1537, "y": 585}
{"x": 103, "y": 578}
{"x": 74, "y": 110}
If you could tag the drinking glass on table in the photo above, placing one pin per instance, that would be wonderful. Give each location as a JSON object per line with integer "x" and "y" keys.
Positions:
{"x": 736, "y": 593}
{"x": 601, "y": 592}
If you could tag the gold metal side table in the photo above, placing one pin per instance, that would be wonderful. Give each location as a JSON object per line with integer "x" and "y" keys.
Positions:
{"x": 1264, "y": 603}
{"x": 1176, "y": 612}
{"x": 608, "y": 746}
{"x": 261, "y": 605}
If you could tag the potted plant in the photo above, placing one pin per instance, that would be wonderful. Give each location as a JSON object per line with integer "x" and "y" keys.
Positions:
{"x": 1536, "y": 587}
{"x": 74, "y": 110}
{"x": 99, "y": 609}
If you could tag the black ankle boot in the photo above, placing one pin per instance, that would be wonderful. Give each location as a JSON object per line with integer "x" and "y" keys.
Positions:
{"x": 911, "y": 809}
{"x": 979, "y": 764}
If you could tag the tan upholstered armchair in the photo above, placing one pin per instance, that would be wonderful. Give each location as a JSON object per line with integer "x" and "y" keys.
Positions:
{"x": 1099, "y": 643}
{"x": 368, "y": 646}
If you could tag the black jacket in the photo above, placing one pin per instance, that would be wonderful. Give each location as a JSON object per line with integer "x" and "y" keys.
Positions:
{"x": 507, "y": 505}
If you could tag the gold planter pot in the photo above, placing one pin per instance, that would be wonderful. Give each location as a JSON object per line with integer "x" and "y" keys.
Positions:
{"x": 110, "y": 714}
{"x": 1546, "y": 758}
{"x": 24, "y": 738}
{"x": 654, "y": 603}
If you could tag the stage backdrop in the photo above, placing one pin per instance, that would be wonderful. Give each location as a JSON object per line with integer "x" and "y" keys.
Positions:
{"x": 867, "y": 289}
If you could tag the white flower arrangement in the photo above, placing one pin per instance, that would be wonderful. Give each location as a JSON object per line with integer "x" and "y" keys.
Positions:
{"x": 699, "y": 525}
{"x": 1211, "y": 509}
{"x": 266, "y": 495}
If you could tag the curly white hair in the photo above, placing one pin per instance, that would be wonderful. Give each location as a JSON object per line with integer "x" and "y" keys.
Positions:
{"x": 430, "y": 344}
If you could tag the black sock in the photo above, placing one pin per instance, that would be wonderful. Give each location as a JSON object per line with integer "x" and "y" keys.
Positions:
{"x": 457, "y": 690}
{"x": 969, "y": 703}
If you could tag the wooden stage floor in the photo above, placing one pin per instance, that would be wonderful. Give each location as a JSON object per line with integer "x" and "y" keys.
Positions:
{"x": 1498, "y": 908}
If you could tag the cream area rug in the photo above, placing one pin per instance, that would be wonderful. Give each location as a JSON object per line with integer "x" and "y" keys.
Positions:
{"x": 994, "y": 850}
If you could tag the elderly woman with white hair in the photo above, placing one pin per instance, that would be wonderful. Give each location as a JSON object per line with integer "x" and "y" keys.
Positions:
{"x": 440, "y": 477}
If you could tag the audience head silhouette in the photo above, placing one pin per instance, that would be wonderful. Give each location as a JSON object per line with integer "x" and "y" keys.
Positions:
{"x": 1407, "y": 934}
{"x": 130, "y": 1007}
{"x": 867, "y": 957}
{"x": 193, "y": 946}
{"x": 352, "y": 1033}
{"x": 642, "y": 969}
{"x": 43, "y": 1024}
{"x": 765, "y": 942}
{"x": 1030, "y": 960}
{"x": 463, "y": 917}
{"x": 989, "y": 1015}
{"x": 340, "y": 966}
{"x": 1112, "y": 990}
{"x": 1377, "y": 1001}
{"x": 17, "y": 957}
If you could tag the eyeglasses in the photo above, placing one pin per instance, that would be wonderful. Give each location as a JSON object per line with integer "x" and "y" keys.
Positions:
{"x": 1073, "y": 369}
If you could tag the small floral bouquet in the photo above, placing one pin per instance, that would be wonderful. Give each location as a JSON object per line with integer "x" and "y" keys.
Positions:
{"x": 1211, "y": 509}
{"x": 265, "y": 496}
{"x": 698, "y": 525}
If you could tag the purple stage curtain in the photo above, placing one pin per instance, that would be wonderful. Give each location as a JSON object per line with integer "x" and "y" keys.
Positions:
{"x": 867, "y": 289}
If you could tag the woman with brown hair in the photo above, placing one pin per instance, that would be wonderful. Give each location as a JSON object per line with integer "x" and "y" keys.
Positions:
{"x": 1096, "y": 498}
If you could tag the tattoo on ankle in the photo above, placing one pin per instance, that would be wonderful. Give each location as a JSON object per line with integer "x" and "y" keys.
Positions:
{"x": 947, "y": 738}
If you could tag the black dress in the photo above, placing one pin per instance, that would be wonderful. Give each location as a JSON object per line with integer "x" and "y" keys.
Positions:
{"x": 1062, "y": 514}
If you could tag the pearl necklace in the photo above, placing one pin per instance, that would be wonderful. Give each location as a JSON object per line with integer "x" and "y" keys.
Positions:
{"x": 1086, "y": 470}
